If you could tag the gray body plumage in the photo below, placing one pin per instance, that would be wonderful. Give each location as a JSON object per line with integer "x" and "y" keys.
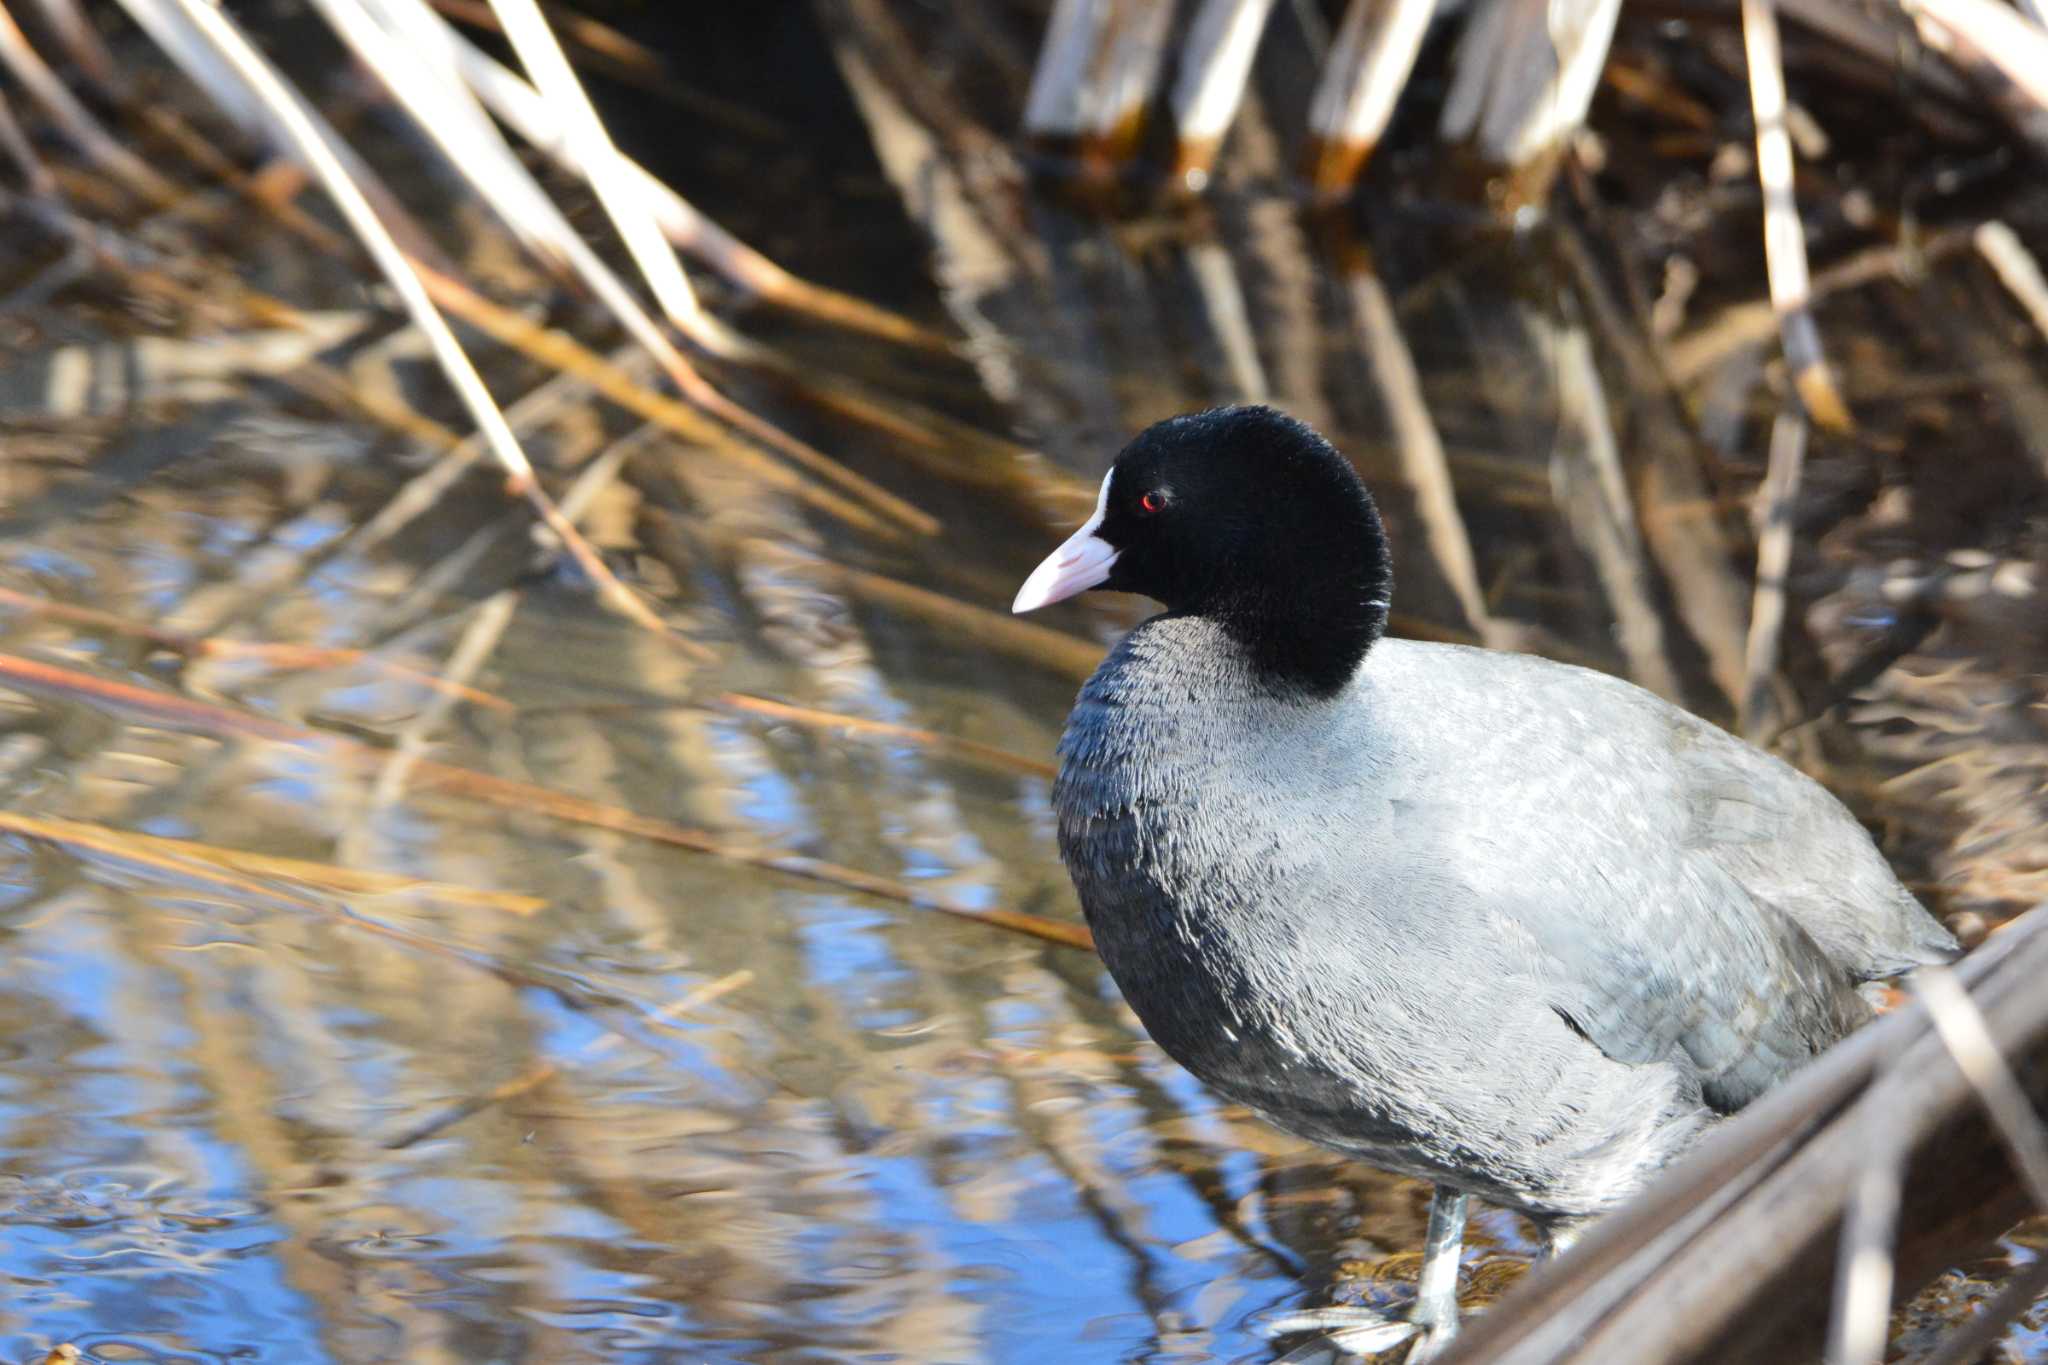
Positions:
{"x": 1509, "y": 925}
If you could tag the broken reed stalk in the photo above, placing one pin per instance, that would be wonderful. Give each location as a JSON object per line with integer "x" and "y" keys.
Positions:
{"x": 1363, "y": 76}
{"x": 1525, "y": 75}
{"x": 179, "y": 855}
{"x": 1095, "y": 74}
{"x": 149, "y": 707}
{"x": 1775, "y": 502}
{"x": 1784, "y": 237}
{"x": 541, "y": 1073}
{"x": 1215, "y": 63}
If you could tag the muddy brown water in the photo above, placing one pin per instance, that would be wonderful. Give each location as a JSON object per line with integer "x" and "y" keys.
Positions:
{"x": 871, "y": 1132}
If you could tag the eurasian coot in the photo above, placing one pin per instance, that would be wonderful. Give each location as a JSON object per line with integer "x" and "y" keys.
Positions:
{"x": 1518, "y": 928}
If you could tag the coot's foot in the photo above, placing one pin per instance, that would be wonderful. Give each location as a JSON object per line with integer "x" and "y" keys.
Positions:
{"x": 1349, "y": 1332}
{"x": 1360, "y": 1331}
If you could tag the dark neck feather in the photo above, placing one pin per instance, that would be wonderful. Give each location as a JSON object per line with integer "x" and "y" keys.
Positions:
{"x": 1311, "y": 640}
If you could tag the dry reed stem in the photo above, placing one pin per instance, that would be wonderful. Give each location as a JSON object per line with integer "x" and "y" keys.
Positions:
{"x": 1968, "y": 1038}
{"x": 1784, "y": 236}
{"x": 1859, "y": 1319}
{"x": 538, "y": 1075}
{"x": 1775, "y": 501}
{"x": 1693, "y": 354}
{"x": 149, "y": 707}
{"x": 2016, "y": 269}
{"x": 179, "y": 855}
{"x": 77, "y": 123}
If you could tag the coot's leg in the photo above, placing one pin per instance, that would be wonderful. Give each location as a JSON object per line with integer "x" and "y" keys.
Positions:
{"x": 1360, "y": 1331}
{"x": 1436, "y": 1292}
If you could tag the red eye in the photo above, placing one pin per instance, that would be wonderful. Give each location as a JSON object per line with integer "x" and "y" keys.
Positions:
{"x": 1152, "y": 502}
